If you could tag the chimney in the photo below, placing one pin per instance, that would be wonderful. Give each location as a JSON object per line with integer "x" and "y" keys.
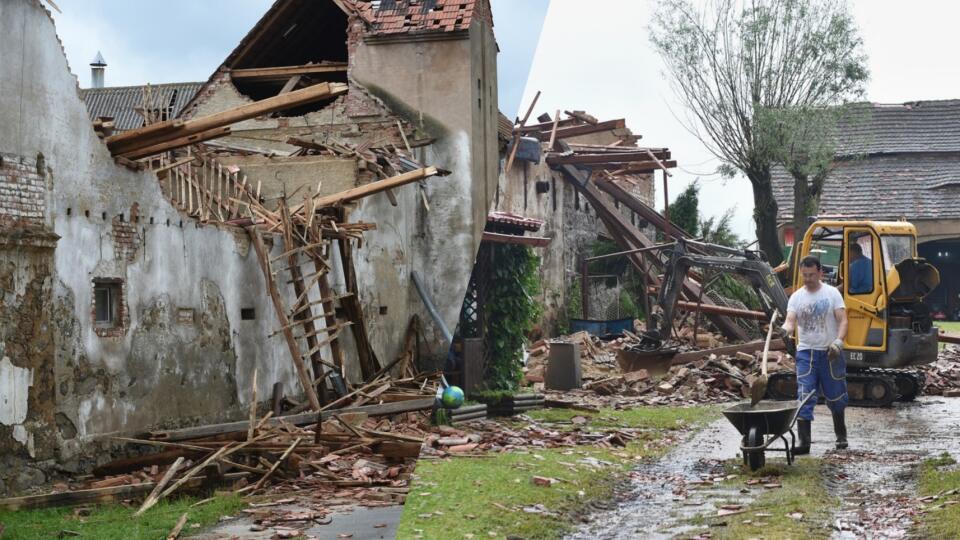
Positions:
{"x": 97, "y": 68}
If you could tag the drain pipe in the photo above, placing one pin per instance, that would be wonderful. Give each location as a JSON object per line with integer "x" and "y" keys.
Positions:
{"x": 432, "y": 310}
{"x": 422, "y": 291}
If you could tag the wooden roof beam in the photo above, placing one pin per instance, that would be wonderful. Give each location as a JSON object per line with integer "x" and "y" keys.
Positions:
{"x": 283, "y": 73}
{"x": 585, "y": 129}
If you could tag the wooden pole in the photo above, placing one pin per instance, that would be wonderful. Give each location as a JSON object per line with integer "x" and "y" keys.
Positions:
{"x": 516, "y": 137}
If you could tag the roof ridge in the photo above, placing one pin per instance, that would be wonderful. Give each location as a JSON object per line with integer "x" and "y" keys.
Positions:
{"x": 142, "y": 86}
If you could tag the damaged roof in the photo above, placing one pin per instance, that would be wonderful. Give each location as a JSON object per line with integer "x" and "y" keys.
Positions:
{"x": 419, "y": 16}
{"x": 121, "y": 102}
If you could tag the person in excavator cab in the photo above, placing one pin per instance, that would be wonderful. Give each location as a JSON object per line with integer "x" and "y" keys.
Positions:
{"x": 816, "y": 311}
{"x": 861, "y": 271}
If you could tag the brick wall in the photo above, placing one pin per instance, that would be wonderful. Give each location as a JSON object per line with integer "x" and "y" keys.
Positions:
{"x": 126, "y": 238}
{"x": 22, "y": 191}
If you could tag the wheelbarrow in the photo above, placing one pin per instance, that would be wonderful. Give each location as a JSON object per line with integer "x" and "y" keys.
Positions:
{"x": 762, "y": 425}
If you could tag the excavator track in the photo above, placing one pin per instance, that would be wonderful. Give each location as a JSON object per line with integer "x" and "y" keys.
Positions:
{"x": 870, "y": 387}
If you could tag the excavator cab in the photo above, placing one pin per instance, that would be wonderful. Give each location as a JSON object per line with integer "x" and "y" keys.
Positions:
{"x": 883, "y": 281}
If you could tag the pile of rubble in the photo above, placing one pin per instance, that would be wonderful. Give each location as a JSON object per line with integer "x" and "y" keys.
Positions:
{"x": 943, "y": 376}
{"x": 358, "y": 453}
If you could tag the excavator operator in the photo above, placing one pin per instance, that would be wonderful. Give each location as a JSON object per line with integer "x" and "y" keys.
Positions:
{"x": 817, "y": 312}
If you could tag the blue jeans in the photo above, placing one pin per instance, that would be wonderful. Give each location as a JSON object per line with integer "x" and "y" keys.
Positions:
{"x": 816, "y": 372}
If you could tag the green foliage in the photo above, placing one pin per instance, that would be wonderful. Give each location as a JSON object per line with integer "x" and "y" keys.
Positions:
{"x": 758, "y": 79}
{"x": 683, "y": 210}
{"x": 720, "y": 231}
{"x": 510, "y": 311}
{"x": 116, "y": 521}
{"x": 574, "y": 305}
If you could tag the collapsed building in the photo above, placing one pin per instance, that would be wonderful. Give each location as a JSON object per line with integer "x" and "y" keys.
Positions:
{"x": 147, "y": 277}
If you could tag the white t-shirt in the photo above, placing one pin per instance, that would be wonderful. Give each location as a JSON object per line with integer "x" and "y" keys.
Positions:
{"x": 816, "y": 322}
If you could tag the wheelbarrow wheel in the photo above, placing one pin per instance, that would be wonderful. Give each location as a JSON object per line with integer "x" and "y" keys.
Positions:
{"x": 755, "y": 459}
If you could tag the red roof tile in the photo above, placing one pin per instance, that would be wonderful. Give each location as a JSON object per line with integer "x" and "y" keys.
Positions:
{"x": 416, "y": 16}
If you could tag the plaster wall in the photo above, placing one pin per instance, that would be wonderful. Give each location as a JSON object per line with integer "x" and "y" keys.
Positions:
{"x": 182, "y": 353}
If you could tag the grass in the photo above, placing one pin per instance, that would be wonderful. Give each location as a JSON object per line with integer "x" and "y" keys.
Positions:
{"x": 938, "y": 475}
{"x": 639, "y": 417}
{"x": 115, "y": 521}
{"x": 495, "y": 496}
{"x": 951, "y": 327}
{"x": 802, "y": 492}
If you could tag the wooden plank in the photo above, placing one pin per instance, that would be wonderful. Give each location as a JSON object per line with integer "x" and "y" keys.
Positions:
{"x": 372, "y": 188}
{"x": 516, "y": 136}
{"x": 641, "y": 162}
{"x": 282, "y": 73}
{"x": 354, "y": 310}
{"x": 101, "y": 495}
{"x": 173, "y": 129}
{"x": 553, "y": 132}
{"x": 280, "y": 310}
{"x": 586, "y": 129}
{"x": 302, "y": 419}
{"x": 749, "y": 347}
{"x": 533, "y": 241}
{"x": 179, "y": 142}
{"x": 723, "y": 310}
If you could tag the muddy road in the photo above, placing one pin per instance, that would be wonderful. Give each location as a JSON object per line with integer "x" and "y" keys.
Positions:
{"x": 875, "y": 478}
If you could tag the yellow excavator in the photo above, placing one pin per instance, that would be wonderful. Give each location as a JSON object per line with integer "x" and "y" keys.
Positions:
{"x": 890, "y": 329}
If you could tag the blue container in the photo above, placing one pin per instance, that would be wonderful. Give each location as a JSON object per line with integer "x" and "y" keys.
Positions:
{"x": 602, "y": 328}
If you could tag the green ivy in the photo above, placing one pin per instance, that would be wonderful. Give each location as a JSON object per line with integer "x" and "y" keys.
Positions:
{"x": 510, "y": 311}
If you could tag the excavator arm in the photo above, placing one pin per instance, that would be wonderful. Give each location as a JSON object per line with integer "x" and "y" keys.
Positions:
{"x": 714, "y": 258}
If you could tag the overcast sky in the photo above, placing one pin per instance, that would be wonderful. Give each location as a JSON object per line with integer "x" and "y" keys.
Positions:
{"x": 592, "y": 55}
{"x": 185, "y": 40}
{"x": 596, "y": 56}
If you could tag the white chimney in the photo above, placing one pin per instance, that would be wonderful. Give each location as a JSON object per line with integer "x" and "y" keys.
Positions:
{"x": 97, "y": 68}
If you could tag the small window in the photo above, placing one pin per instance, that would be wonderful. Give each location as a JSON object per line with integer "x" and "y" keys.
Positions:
{"x": 248, "y": 314}
{"x": 106, "y": 304}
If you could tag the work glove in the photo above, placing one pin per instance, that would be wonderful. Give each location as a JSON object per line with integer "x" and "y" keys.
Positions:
{"x": 835, "y": 349}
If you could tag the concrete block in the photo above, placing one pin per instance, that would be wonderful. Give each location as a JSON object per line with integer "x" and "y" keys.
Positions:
{"x": 563, "y": 367}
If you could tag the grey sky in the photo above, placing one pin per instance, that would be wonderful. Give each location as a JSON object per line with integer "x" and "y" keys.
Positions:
{"x": 599, "y": 59}
{"x": 185, "y": 40}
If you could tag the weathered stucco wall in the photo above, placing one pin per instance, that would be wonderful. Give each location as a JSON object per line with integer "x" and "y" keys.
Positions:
{"x": 182, "y": 354}
{"x": 434, "y": 83}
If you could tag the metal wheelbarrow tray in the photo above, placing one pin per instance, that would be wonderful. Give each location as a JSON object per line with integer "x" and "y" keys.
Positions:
{"x": 763, "y": 424}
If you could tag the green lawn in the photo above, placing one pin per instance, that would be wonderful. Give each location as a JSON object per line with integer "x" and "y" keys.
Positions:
{"x": 115, "y": 521}
{"x": 494, "y": 496}
{"x": 952, "y": 327}
{"x": 940, "y": 475}
{"x": 800, "y": 509}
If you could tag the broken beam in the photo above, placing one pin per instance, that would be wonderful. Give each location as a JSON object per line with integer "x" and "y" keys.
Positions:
{"x": 574, "y": 131}
{"x": 161, "y": 132}
{"x": 533, "y": 241}
{"x": 178, "y": 143}
{"x": 283, "y": 73}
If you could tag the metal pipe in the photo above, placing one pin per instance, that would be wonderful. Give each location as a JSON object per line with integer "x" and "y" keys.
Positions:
{"x": 431, "y": 309}
{"x": 631, "y": 251}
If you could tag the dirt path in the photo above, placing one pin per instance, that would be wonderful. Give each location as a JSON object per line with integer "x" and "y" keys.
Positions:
{"x": 875, "y": 479}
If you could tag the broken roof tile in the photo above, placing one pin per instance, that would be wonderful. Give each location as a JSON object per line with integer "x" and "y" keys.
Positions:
{"x": 416, "y": 16}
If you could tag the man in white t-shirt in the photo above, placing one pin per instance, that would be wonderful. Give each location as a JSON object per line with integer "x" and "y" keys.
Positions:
{"x": 817, "y": 312}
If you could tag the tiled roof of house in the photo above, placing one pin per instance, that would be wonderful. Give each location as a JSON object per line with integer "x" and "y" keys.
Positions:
{"x": 917, "y": 126}
{"x": 418, "y": 16}
{"x": 121, "y": 102}
{"x": 917, "y": 186}
{"x": 900, "y": 160}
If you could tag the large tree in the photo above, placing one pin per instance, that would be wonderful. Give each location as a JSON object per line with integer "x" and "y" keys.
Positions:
{"x": 732, "y": 62}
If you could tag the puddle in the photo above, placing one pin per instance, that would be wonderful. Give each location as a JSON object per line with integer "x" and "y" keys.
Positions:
{"x": 875, "y": 479}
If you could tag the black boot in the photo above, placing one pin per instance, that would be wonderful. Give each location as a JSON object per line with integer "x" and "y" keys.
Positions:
{"x": 803, "y": 431}
{"x": 840, "y": 428}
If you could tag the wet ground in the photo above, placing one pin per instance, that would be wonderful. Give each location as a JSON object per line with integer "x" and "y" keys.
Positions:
{"x": 875, "y": 478}
{"x": 356, "y": 523}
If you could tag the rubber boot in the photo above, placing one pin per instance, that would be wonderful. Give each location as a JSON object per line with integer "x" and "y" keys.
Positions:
{"x": 840, "y": 428}
{"x": 803, "y": 431}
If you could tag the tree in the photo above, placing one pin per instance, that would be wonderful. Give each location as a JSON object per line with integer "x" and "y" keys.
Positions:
{"x": 719, "y": 231}
{"x": 683, "y": 210}
{"x": 735, "y": 59}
